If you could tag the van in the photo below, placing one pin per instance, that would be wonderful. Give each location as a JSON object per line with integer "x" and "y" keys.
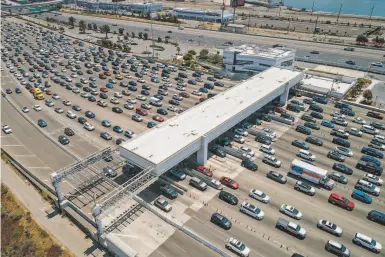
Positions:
{"x": 267, "y": 149}
{"x": 302, "y": 129}
{"x": 370, "y": 130}
{"x": 198, "y": 183}
{"x": 342, "y": 105}
{"x": 377, "y": 216}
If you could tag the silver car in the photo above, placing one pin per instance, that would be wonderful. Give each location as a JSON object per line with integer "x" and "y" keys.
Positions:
{"x": 329, "y": 227}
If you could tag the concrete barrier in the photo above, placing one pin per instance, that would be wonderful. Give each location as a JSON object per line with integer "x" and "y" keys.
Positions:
{"x": 371, "y": 108}
{"x": 172, "y": 184}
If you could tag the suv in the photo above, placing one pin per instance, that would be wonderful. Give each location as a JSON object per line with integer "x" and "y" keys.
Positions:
{"x": 375, "y": 115}
{"x": 372, "y": 152}
{"x": 252, "y": 210}
{"x": 304, "y": 188}
{"x": 337, "y": 248}
{"x": 306, "y": 155}
{"x": 248, "y": 164}
{"x": 367, "y": 242}
{"x": 339, "y": 133}
{"x": 303, "y": 129}
{"x": 335, "y": 155}
{"x": 168, "y": 191}
{"x": 340, "y": 141}
{"x": 221, "y": 221}
{"x": 314, "y": 140}
{"x": 377, "y": 216}
{"x": 272, "y": 161}
{"x": 368, "y": 187}
{"x": 361, "y": 196}
{"x": 237, "y": 246}
{"x": 197, "y": 183}
{"x": 341, "y": 201}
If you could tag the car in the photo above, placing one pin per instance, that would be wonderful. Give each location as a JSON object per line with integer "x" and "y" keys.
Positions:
{"x": 106, "y": 136}
{"x": 36, "y": 107}
{"x": 291, "y": 211}
{"x": 59, "y": 110}
{"x": 229, "y": 182}
{"x": 117, "y": 129}
{"x": 117, "y": 109}
{"x": 378, "y": 125}
{"x": 163, "y": 204}
{"x": 259, "y": 195}
{"x": 377, "y": 217}
{"x": 306, "y": 155}
{"x": 327, "y": 123}
{"x": 344, "y": 151}
{"x": 329, "y": 227}
{"x": 42, "y": 123}
{"x": 359, "y": 120}
{"x": 137, "y": 118}
{"x": 372, "y": 152}
{"x": 368, "y": 187}
{"x": 338, "y": 177}
{"x": 341, "y": 201}
{"x": 277, "y": 177}
{"x": 367, "y": 242}
{"x": 340, "y": 121}
{"x": 355, "y": 132}
{"x": 350, "y": 62}
{"x": 375, "y": 180}
{"x": 313, "y": 140}
{"x": 341, "y": 142}
{"x": 301, "y": 144}
{"x": 375, "y": 115}
{"x": 221, "y": 221}
{"x": 88, "y": 126}
{"x": 361, "y": 196}
{"x": 63, "y": 140}
{"x": 6, "y": 129}
{"x": 168, "y": 191}
{"x": 269, "y": 159}
{"x": 337, "y": 248}
{"x": 377, "y": 64}
{"x": 342, "y": 168}
{"x": 312, "y": 125}
{"x": 305, "y": 188}
{"x": 25, "y": 109}
{"x": 69, "y": 132}
{"x": 376, "y": 145}
{"x": 334, "y": 155}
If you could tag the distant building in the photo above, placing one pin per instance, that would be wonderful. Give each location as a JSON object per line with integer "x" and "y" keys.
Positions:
{"x": 246, "y": 58}
{"x": 202, "y": 15}
{"x": 127, "y": 6}
{"x": 236, "y": 28}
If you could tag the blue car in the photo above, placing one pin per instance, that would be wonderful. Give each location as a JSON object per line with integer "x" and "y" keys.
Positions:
{"x": 90, "y": 114}
{"x": 106, "y": 123}
{"x": 117, "y": 129}
{"x": 151, "y": 124}
{"x": 103, "y": 64}
{"x": 371, "y": 159}
{"x": 372, "y": 152}
{"x": 203, "y": 90}
{"x": 361, "y": 196}
{"x": 42, "y": 123}
{"x": 155, "y": 80}
{"x": 109, "y": 85}
{"x": 327, "y": 123}
{"x": 76, "y": 108}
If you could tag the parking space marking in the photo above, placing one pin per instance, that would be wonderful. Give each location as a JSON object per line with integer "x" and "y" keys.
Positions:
{"x": 39, "y": 167}
{"x": 12, "y": 145}
{"x": 178, "y": 246}
{"x": 160, "y": 253}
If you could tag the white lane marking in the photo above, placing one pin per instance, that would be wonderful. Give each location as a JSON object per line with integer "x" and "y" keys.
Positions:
{"x": 178, "y": 246}
{"x": 23, "y": 155}
{"x": 38, "y": 167}
{"x": 12, "y": 145}
{"x": 161, "y": 253}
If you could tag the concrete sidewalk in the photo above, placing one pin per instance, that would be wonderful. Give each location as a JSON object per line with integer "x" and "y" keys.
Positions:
{"x": 61, "y": 228}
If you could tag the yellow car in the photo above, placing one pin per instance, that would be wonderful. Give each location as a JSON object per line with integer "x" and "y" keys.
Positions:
{"x": 120, "y": 77}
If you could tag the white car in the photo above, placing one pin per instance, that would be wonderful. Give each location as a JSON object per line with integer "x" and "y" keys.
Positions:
{"x": 329, "y": 227}
{"x": 377, "y": 64}
{"x": 180, "y": 88}
{"x": 196, "y": 92}
{"x": 36, "y": 108}
{"x": 163, "y": 204}
{"x": 172, "y": 108}
{"x": 344, "y": 151}
{"x": 7, "y": 129}
{"x": 88, "y": 126}
{"x": 114, "y": 100}
{"x": 84, "y": 81}
{"x": 367, "y": 242}
{"x": 306, "y": 155}
{"x": 131, "y": 101}
{"x": 267, "y": 149}
{"x": 375, "y": 180}
{"x": 25, "y": 109}
{"x": 337, "y": 114}
{"x": 67, "y": 103}
{"x": 252, "y": 210}
{"x": 290, "y": 211}
{"x": 71, "y": 115}
{"x": 55, "y": 96}
{"x": 128, "y": 76}
{"x": 259, "y": 195}
{"x": 141, "y": 98}
{"x": 355, "y": 132}
{"x": 118, "y": 95}
{"x": 59, "y": 110}
{"x": 129, "y": 106}
{"x": 368, "y": 187}
{"x": 241, "y": 140}
{"x": 237, "y": 246}
{"x": 247, "y": 150}
{"x": 358, "y": 120}
{"x": 270, "y": 131}
{"x": 140, "y": 80}
{"x": 76, "y": 90}
{"x": 102, "y": 103}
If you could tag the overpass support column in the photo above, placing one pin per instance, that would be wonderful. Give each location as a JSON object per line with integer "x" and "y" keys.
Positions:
{"x": 202, "y": 153}
{"x": 285, "y": 95}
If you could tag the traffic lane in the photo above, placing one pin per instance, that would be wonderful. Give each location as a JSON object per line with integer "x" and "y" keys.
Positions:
{"x": 161, "y": 30}
{"x": 179, "y": 244}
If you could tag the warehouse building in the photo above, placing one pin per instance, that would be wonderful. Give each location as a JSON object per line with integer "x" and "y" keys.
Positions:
{"x": 122, "y": 6}
{"x": 247, "y": 58}
{"x": 202, "y": 15}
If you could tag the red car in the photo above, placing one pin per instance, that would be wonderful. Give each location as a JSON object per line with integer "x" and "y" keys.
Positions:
{"x": 280, "y": 109}
{"x": 16, "y": 64}
{"x": 202, "y": 99}
{"x": 49, "y": 92}
{"x": 107, "y": 73}
{"x": 39, "y": 68}
{"x": 141, "y": 111}
{"x": 341, "y": 201}
{"x": 205, "y": 171}
{"x": 229, "y": 182}
{"x": 184, "y": 94}
{"x": 158, "y": 118}
{"x": 104, "y": 89}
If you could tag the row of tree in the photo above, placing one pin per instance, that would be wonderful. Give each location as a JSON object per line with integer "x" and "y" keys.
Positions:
{"x": 364, "y": 39}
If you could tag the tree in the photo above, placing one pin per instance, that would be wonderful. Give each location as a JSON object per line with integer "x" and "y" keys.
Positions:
{"x": 368, "y": 94}
{"x": 379, "y": 40}
{"x": 361, "y": 39}
{"x": 145, "y": 36}
{"x": 121, "y": 30}
{"x": 89, "y": 26}
{"x": 216, "y": 59}
{"x": 95, "y": 27}
{"x": 105, "y": 29}
{"x": 82, "y": 26}
{"x": 61, "y": 29}
{"x": 140, "y": 35}
{"x": 148, "y": 15}
{"x": 192, "y": 52}
{"x": 203, "y": 53}
{"x": 187, "y": 57}
{"x": 133, "y": 34}
{"x": 159, "y": 39}
{"x": 72, "y": 21}
{"x": 178, "y": 49}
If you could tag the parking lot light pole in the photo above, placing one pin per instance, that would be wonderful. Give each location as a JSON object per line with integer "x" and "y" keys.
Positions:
{"x": 152, "y": 38}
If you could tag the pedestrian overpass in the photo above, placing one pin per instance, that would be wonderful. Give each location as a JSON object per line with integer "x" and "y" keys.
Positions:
{"x": 172, "y": 141}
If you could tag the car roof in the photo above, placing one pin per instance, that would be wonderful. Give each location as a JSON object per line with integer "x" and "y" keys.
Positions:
{"x": 335, "y": 243}
{"x": 363, "y": 237}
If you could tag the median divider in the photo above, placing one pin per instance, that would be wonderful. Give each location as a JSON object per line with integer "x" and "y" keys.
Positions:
{"x": 173, "y": 184}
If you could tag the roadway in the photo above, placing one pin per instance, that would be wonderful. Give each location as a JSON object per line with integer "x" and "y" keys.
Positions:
{"x": 330, "y": 52}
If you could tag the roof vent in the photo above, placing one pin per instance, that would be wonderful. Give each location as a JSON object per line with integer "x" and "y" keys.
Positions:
{"x": 194, "y": 132}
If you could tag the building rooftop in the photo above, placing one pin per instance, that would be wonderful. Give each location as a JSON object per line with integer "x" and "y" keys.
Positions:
{"x": 253, "y": 50}
{"x": 161, "y": 142}
{"x": 201, "y": 11}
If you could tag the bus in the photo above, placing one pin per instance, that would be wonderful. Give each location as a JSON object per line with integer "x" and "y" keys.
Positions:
{"x": 38, "y": 94}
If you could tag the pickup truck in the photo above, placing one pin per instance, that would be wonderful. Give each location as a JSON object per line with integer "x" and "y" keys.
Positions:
{"x": 291, "y": 228}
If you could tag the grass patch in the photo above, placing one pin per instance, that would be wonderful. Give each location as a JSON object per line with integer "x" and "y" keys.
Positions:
{"x": 21, "y": 235}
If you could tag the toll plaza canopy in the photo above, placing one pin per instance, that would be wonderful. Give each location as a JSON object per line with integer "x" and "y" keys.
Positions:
{"x": 172, "y": 141}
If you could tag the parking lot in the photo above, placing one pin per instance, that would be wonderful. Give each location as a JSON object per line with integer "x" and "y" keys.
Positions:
{"x": 260, "y": 236}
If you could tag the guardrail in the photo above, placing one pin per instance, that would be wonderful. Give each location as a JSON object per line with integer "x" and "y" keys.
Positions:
{"x": 342, "y": 65}
{"x": 182, "y": 229}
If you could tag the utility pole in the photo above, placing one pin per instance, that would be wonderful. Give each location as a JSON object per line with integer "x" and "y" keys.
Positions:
{"x": 312, "y": 9}
{"x": 235, "y": 6}
{"x": 279, "y": 14}
{"x": 288, "y": 27}
{"x": 248, "y": 24}
{"x": 371, "y": 12}
{"x": 315, "y": 26}
{"x": 339, "y": 13}
{"x": 223, "y": 10}
{"x": 152, "y": 38}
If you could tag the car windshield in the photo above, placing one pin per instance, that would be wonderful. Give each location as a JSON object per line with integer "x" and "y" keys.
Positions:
{"x": 242, "y": 247}
{"x": 374, "y": 243}
{"x": 263, "y": 195}
{"x": 343, "y": 248}
{"x": 346, "y": 201}
{"x": 164, "y": 204}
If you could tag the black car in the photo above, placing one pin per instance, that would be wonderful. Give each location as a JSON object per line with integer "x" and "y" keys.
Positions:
{"x": 174, "y": 102}
{"x": 8, "y": 91}
{"x": 300, "y": 144}
{"x": 63, "y": 140}
{"x": 168, "y": 191}
{"x": 312, "y": 125}
{"x": 221, "y": 221}
{"x": 316, "y": 115}
{"x": 105, "y": 135}
{"x": 317, "y": 108}
{"x": 117, "y": 109}
{"x": 342, "y": 168}
{"x": 228, "y": 197}
{"x": 219, "y": 152}
{"x": 314, "y": 140}
{"x": 340, "y": 141}
{"x": 277, "y": 177}
{"x": 82, "y": 120}
{"x": 248, "y": 164}
{"x": 162, "y": 111}
{"x": 334, "y": 155}
{"x": 263, "y": 139}
{"x": 376, "y": 125}
{"x": 69, "y": 132}
{"x": 18, "y": 90}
